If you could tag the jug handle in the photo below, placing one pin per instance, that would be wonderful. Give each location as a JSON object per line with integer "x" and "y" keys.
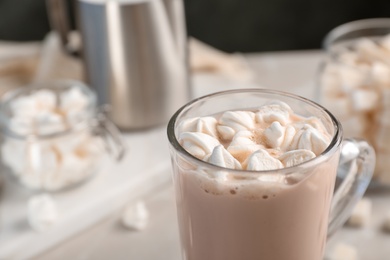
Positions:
{"x": 58, "y": 11}
{"x": 356, "y": 167}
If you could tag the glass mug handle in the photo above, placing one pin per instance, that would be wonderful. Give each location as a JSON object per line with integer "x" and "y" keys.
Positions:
{"x": 356, "y": 166}
{"x": 112, "y": 138}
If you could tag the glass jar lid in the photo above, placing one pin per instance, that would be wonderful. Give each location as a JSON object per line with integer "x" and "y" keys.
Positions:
{"x": 47, "y": 109}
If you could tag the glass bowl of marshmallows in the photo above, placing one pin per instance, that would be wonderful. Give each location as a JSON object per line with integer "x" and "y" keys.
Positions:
{"x": 53, "y": 136}
{"x": 354, "y": 85}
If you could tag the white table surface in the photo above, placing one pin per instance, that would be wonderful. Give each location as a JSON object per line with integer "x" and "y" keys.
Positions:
{"x": 288, "y": 71}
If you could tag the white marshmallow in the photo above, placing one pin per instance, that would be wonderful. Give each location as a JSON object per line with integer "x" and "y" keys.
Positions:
{"x": 24, "y": 107}
{"x": 243, "y": 145}
{"x": 274, "y": 111}
{"x": 274, "y": 135}
{"x": 136, "y": 216}
{"x": 73, "y": 99}
{"x": 221, "y": 157}
{"x": 42, "y": 212}
{"x": 348, "y": 57}
{"x": 343, "y": 252}
{"x": 311, "y": 139}
{"x": 198, "y": 144}
{"x": 371, "y": 52}
{"x": 237, "y": 121}
{"x": 261, "y": 161}
{"x": 296, "y": 157}
{"x": 380, "y": 74}
{"x": 289, "y": 134}
{"x": 44, "y": 100}
{"x": 364, "y": 100}
{"x": 206, "y": 125}
{"x": 226, "y": 132}
{"x": 361, "y": 214}
{"x": 351, "y": 78}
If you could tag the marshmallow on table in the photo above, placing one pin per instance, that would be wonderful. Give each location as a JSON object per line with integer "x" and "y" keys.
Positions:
{"x": 136, "y": 216}
{"x": 42, "y": 212}
{"x": 343, "y": 251}
{"x": 361, "y": 214}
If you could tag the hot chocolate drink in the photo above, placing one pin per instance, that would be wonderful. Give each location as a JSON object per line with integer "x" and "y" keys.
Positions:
{"x": 254, "y": 178}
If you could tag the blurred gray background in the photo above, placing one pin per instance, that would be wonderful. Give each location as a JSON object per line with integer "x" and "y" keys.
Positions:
{"x": 230, "y": 25}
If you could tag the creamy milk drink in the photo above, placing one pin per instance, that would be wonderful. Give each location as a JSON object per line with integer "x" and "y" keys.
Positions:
{"x": 254, "y": 183}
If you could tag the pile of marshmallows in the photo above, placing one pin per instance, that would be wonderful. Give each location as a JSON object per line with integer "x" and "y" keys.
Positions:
{"x": 356, "y": 88}
{"x": 271, "y": 137}
{"x": 53, "y": 159}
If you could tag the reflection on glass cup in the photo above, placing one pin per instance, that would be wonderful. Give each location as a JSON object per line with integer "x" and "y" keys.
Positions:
{"x": 354, "y": 83}
{"x": 276, "y": 214}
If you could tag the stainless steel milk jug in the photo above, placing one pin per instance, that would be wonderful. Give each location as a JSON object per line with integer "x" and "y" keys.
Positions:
{"x": 135, "y": 53}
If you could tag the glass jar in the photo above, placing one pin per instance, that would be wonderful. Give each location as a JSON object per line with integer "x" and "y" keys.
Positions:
{"x": 354, "y": 82}
{"x": 54, "y": 137}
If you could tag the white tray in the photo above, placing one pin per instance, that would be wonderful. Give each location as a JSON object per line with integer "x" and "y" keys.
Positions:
{"x": 145, "y": 168}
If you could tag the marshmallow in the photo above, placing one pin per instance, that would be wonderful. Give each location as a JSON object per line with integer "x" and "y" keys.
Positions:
{"x": 348, "y": 57}
{"x": 23, "y": 107}
{"x": 262, "y": 161}
{"x": 42, "y": 212}
{"x": 351, "y": 78}
{"x": 198, "y": 144}
{"x": 44, "y": 100}
{"x": 364, "y": 100}
{"x": 206, "y": 125}
{"x": 221, "y": 157}
{"x": 311, "y": 139}
{"x": 243, "y": 145}
{"x": 234, "y": 121}
{"x": 343, "y": 252}
{"x": 73, "y": 99}
{"x": 296, "y": 157}
{"x": 380, "y": 74}
{"x": 361, "y": 214}
{"x": 274, "y": 135}
{"x": 369, "y": 51}
{"x": 274, "y": 111}
{"x": 136, "y": 216}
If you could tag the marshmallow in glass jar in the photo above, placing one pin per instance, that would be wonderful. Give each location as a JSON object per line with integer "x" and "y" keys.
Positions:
{"x": 53, "y": 135}
{"x": 354, "y": 84}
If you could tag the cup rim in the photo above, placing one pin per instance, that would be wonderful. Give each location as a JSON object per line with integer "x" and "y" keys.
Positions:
{"x": 327, "y": 153}
{"x": 336, "y": 32}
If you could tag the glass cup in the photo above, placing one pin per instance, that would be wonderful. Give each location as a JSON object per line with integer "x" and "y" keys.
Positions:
{"x": 354, "y": 83}
{"x": 284, "y": 214}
